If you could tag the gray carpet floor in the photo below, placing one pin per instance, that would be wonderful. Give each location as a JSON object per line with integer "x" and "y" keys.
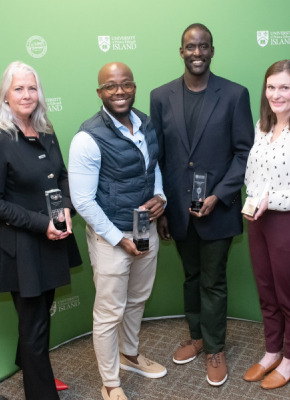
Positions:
{"x": 75, "y": 364}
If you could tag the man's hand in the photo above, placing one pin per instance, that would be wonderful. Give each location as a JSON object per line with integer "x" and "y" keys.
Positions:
{"x": 130, "y": 247}
{"x": 208, "y": 206}
{"x": 155, "y": 206}
{"x": 163, "y": 228}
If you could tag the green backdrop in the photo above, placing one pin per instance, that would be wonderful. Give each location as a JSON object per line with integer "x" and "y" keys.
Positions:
{"x": 67, "y": 42}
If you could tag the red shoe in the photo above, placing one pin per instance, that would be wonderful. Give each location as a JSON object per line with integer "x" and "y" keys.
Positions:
{"x": 60, "y": 385}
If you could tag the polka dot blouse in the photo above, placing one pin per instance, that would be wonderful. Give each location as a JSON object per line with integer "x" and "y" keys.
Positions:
{"x": 269, "y": 165}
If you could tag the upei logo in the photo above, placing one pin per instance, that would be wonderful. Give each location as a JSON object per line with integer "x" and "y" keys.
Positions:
{"x": 117, "y": 43}
{"x": 262, "y": 38}
{"x": 104, "y": 43}
{"x": 53, "y": 309}
{"x": 65, "y": 305}
{"x": 273, "y": 38}
{"x": 36, "y": 46}
{"x": 54, "y": 104}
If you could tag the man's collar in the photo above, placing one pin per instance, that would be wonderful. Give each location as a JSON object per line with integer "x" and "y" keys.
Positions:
{"x": 136, "y": 121}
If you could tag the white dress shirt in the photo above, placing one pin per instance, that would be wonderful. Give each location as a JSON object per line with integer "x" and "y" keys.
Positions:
{"x": 269, "y": 167}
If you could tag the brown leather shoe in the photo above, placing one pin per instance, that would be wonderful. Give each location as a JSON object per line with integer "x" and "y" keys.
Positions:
{"x": 187, "y": 351}
{"x": 216, "y": 369}
{"x": 274, "y": 380}
{"x": 257, "y": 371}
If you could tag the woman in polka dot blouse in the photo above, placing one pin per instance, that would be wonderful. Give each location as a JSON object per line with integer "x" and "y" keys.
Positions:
{"x": 268, "y": 179}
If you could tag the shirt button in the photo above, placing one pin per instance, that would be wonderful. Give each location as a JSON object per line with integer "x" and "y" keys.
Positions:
{"x": 50, "y": 176}
{"x": 191, "y": 164}
{"x": 188, "y": 190}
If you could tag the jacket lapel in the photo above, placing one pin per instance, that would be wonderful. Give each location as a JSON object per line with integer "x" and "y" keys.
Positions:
{"x": 176, "y": 102}
{"x": 210, "y": 101}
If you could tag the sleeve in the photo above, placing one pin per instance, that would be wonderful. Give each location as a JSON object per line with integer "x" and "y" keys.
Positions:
{"x": 84, "y": 167}
{"x": 279, "y": 200}
{"x": 155, "y": 114}
{"x": 242, "y": 138}
{"x": 158, "y": 187}
{"x": 63, "y": 180}
{"x": 11, "y": 213}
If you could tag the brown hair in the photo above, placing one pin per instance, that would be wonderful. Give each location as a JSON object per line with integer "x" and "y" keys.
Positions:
{"x": 267, "y": 117}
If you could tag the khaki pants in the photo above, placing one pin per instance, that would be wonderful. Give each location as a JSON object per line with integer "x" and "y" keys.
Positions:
{"x": 123, "y": 284}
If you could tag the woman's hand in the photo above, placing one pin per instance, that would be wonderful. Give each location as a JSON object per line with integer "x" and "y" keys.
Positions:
{"x": 54, "y": 234}
{"x": 68, "y": 220}
{"x": 263, "y": 206}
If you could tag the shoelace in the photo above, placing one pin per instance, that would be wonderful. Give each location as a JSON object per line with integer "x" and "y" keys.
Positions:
{"x": 214, "y": 359}
{"x": 188, "y": 343}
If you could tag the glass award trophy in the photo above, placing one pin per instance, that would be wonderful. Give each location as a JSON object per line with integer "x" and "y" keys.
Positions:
{"x": 55, "y": 208}
{"x": 251, "y": 206}
{"x": 141, "y": 226}
{"x": 252, "y": 203}
{"x": 198, "y": 190}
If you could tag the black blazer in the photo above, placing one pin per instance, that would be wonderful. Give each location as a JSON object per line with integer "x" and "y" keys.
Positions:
{"x": 222, "y": 141}
{"x": 29, "y": 262}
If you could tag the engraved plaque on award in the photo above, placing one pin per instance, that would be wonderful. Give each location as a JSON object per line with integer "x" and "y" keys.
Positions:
{"x": 250, "y": 206}
{"x": 198, "y": 190}
{"x": 55, "y": 208}
{"x": 141, "y": 226}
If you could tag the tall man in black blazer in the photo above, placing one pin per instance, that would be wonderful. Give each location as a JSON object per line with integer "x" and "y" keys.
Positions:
{"x": 204, "y": 124}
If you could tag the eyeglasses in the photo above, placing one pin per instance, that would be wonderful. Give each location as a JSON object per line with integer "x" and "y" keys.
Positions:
{"x": 112, "y": 88}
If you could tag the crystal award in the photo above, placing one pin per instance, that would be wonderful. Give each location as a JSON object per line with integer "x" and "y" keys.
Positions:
{"x": 252, "y": 203}
{"x": 251, "y": 206}
{"x": 141, "y": 226}
{"x": 55, "y": 208}
{"x": 198, "y": 191}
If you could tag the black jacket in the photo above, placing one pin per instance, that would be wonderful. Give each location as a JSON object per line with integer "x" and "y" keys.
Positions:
{"x": 29, "y": 262}
{"x": 222, "y": 141}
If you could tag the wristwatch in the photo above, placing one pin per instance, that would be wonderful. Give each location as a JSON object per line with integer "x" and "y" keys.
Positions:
{"x": 162, "y": 197}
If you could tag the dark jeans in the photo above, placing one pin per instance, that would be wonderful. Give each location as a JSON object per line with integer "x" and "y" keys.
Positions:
{"x": 33, "y": 345}
{"x": 205, "y": 288}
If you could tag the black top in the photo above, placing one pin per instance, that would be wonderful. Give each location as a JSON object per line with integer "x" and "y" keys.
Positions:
{"x": 192, "y": 102}
{"x": 29, "y": 262}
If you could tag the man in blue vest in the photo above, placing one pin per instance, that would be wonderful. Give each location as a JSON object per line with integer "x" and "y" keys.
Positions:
{"x": 113, "y": 170}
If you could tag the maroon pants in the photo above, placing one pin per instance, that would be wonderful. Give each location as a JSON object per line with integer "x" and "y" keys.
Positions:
{"x": 269, "y": 239}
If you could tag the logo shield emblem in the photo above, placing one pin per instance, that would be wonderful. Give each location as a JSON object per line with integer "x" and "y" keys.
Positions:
{"x": 262, "y": 38}
{"x": 53, "y": 309}
{"x": 104, "y": 43}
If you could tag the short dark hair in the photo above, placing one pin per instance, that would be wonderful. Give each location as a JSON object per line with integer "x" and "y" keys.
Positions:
{"x": 199, "y": 26}
{"x": 267, "y": 117}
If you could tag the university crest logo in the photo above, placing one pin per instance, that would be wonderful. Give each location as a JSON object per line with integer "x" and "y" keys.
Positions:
{"x": 104, "y": 43}
{"x": 36, "y": 46}
{"x": 53, "y": 309}
{"x": 262, "y": 38}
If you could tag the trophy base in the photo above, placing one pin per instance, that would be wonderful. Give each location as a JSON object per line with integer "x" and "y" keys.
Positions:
{"x": 61, "y": 226}
{"x": 196, "y": 205}
{"x": 142, "y": 244}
